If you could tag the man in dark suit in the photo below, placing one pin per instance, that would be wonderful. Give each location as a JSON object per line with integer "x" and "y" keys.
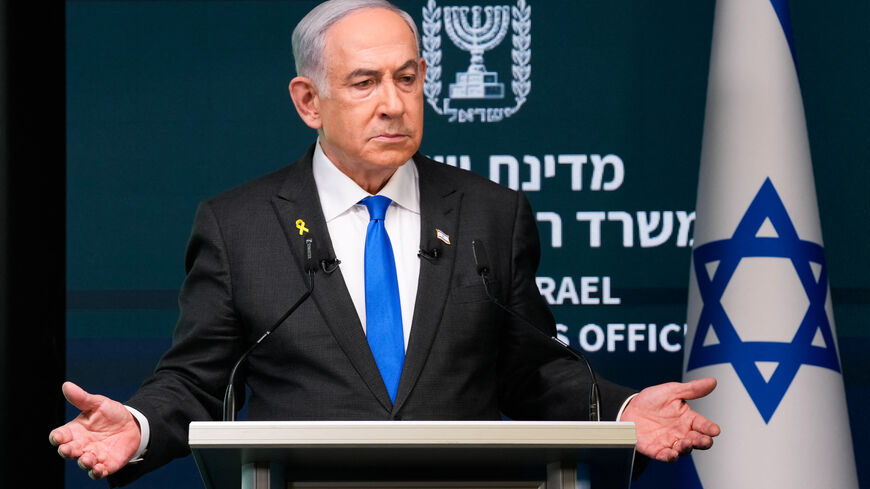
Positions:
{"x": 460, "y": 356}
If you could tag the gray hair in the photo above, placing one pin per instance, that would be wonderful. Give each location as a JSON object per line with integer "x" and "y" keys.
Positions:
{"x": 309, "y": 36}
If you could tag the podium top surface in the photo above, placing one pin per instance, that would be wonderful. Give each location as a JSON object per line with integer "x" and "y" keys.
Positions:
{"x": 505, "y": 434}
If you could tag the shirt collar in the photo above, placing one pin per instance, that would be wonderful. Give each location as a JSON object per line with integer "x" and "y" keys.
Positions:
{"x": 338, "y": 192}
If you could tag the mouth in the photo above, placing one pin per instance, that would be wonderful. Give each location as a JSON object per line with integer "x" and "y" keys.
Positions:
{"x": 391, "y": 137}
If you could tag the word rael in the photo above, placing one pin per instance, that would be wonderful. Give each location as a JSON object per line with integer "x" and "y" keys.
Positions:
{"x": 588, "y": 294}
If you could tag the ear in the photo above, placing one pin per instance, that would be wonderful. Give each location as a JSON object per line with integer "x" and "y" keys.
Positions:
{"x": 307, "y": 101}
{"x": 422, "y": 68}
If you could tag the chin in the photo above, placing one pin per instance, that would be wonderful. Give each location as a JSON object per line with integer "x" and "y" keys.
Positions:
{"x": 390, "y": 163}
{"x": 393, "y": 157}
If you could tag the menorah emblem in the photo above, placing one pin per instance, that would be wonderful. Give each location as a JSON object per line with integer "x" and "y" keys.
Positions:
{"x": 485, "y": 30}
{"x": 477, "y": 38}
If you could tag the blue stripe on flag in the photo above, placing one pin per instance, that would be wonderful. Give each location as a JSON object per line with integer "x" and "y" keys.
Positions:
{"x": 782, "y": 13}
{"x": 688, "y": 474}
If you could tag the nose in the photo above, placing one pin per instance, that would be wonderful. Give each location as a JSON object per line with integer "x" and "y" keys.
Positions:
{"x": 392, "y": 105}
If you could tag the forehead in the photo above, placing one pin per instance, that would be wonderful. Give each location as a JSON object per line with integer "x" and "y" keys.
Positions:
{"x": 370, "y": 36}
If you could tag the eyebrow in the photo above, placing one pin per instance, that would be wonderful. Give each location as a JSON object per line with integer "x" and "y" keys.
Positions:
{"x": 408, "y": 64}
{"x": 369, "y": 72}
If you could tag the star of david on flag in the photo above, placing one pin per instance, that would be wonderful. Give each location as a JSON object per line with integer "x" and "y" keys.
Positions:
{"x": 717, "y": 341}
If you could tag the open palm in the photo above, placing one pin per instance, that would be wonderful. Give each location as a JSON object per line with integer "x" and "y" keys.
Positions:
{"x": 103, "y": 437}
{"x": 667, "y": 427}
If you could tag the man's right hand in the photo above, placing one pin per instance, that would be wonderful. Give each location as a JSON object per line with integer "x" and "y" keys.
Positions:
{"x": 104, "y": 437}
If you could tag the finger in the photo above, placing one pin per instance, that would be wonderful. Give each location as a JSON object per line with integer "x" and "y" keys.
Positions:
{"x": 697, "y": 388}
{"x": 60, "y": 435}
{"x": 54, "y": 437}
{"x": 701, "y": 442}
{"x": 98, "y": 472}
{"x": 78, "y": 397}
{"x": 672, "y": 452}
{"x": 87, "y": 461}
{"x": 667, "y": 455}
{"x": 69, "y": 450}
{"x": 63, "y": 455}
{"x": 705, "y": 426}
{"x": 684, "y": 447}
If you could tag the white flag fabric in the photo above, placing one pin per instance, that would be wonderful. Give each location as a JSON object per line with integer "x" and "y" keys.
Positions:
{"x": 759, "y": 316}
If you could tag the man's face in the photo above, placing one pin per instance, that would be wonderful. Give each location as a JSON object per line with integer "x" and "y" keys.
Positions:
{"x": 372, "y": 115}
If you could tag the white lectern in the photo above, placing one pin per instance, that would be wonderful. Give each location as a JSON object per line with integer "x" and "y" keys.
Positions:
{"x": 412, "y": 454}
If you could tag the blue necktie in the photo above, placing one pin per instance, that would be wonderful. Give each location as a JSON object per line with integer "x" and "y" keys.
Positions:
{"x": 383, "y": 310}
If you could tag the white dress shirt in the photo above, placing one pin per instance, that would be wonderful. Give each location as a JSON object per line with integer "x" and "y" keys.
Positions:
{"x": 347, "y": 221}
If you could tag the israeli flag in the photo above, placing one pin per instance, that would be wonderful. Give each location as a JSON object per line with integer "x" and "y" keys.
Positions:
{"x": 760, "y": 318}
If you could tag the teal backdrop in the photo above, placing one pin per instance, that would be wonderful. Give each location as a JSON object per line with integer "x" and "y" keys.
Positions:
{"x": 600, "y": 122}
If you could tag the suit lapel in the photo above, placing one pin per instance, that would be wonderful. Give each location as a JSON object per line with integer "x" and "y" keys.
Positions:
{"x": 298, "y": 199}
{"x": 439, "y": 210}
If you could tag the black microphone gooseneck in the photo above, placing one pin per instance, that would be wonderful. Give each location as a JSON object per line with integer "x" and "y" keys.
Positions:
{"x": 481, "y": 260}
{"x": 310, "y": 268}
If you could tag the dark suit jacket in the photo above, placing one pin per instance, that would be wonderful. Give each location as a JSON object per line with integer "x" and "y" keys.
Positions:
{"x": 466, "y": 359}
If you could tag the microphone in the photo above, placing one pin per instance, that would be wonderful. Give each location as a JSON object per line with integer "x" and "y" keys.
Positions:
{"x": 310, "y": 267}
{"x": 431, "y": 254}
{"x": 481, "y": 260}
{"x": 310, "y": 260}
{"x": 329, "y": 265}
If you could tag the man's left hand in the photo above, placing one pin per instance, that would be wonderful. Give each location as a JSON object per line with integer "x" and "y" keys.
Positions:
{"x": 667, "y": 427}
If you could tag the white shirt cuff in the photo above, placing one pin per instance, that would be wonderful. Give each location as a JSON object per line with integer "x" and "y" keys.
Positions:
{"x": 145, "y": 434}
{"x": 619, "y": 414}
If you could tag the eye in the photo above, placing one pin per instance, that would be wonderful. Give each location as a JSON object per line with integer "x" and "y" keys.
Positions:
{"x": 407, "y": 79}
{"x": 364, "y": 84}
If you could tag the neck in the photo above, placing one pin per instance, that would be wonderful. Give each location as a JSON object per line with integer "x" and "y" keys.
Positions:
{"x": 370, "y": 181}
{"x": 371, "y": 178}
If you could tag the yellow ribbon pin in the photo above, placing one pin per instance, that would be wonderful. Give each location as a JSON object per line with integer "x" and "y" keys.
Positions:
{"x": 300, "y": 225}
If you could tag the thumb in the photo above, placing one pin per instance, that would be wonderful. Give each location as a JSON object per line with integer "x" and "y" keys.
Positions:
{"x": 78, "y": 397}
{"x": 695, "y": 389}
